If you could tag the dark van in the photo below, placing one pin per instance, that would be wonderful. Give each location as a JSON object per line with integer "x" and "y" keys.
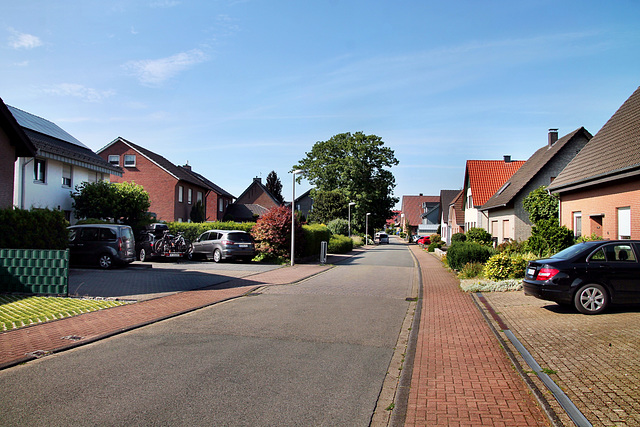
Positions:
{"x": 101, "y": 244}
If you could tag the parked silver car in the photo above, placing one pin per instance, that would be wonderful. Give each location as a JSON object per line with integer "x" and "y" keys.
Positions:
{"x": 101, "y": 244}
{"x": 224, "y": 244}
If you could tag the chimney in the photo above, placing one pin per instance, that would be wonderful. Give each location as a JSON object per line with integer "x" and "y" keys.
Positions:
{"x": 420, "y": 194}
{"x": 256, "y": 179}
{"x": 553, "y": 136}
{"x": 187, "y": 166}
{"x": 507, "y": 158}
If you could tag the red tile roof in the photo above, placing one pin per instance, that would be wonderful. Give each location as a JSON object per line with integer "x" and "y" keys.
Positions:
{"x": 485, "y": 177}
{"x": 412, "y": 207}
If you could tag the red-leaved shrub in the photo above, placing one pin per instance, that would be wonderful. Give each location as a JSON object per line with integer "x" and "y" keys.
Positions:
{"x": 272, "y": 234}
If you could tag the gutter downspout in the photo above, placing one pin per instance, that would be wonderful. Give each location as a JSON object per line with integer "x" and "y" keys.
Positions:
{"x": 23, "y": 183}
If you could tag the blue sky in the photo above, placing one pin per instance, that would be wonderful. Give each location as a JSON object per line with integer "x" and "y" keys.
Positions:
{"x": 241, "y": 87}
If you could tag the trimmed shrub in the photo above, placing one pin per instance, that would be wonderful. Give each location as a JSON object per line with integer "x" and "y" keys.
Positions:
{"x": 461, "y": 253}
{"x": 314, "y": 234}
{"x": 34, "y": 229}
{"x": 587, "y": 238}
{"x": 433, "y": 245}
{"x": 458, "y": 237}
{"x": 357, "y": 240}
{"x": 339, "y": 226}
{"x": 435, "y": 238}
{"x": 511, "y": 246}
{"x": 479, "y": 235}
{"x": 340, "y": 244}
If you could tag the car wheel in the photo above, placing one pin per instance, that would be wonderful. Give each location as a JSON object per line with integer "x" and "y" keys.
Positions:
{"x": 105, "y": 261}
{"x": 217, "y": 255}
{"x": 591, "y": 299}
{"x": 142, "y": 256}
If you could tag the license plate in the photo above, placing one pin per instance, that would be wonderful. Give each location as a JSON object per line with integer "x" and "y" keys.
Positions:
{"x": 174, "y": 254}
{"x": 243, "y": 246}
{"x": 531, "y": 272}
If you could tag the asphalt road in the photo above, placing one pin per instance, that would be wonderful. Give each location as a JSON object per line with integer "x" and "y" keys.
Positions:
{"x": 313, "y": 353}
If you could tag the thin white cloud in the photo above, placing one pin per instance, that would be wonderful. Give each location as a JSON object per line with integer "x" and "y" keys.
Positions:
{"x": 164, "y": 4}
{"x": 152, "y": 72}
{"x": 20, "y": 40}
{"x": 79, "y": 91}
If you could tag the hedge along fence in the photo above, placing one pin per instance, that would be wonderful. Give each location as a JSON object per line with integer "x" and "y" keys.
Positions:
{"x": 34, "y": 258}
{"x": 34, "y": 271}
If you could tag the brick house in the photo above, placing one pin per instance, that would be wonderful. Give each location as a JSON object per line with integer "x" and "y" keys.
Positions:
{"x": 508, "y": 220}
{"x": 420, "y": 214}
{"x": 254, "y": 202}
{"x": 60, "y": 163}
{"x": 455, "y": 220}
{"x": 13, "y": 144}
{"x": 482, "y": 178}
{"x": 446, "y": 198}
{"x": 599, "y": 190}
{"x": 173, "y": 190}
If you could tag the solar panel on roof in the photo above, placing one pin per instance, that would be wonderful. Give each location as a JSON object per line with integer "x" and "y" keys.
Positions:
{"x": 38, "y": 124}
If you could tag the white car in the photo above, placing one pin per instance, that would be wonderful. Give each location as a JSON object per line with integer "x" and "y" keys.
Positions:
{"x": 381, "y": 238}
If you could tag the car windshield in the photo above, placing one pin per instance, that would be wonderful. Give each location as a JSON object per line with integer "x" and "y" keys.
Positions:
{"x": 574, "y": 250}
{"x": 240, "y": 237}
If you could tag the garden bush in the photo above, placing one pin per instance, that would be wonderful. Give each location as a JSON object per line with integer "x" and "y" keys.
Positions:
{"x": 471, "y": 270}
{"x": 340, "y": 244}
{"x": 511, "y": 246}
{"x": 507, "y": 265}
{"x": 272, "y": 233}
{"x": 549, "y": 237}
{"x": 34, "y": 229}
{"x": 461, "y": 253}
{"x": 339, "y": 226}
{"x": 479, "y": 235}
{"x": 433, "y": 245}
{"x": 458, "y": 237}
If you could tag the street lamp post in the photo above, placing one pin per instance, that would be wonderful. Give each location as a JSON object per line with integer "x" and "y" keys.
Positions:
{"x": 293, "y": 216}
{"x": 350, "y": 204}
{"x": 366, "y": 229}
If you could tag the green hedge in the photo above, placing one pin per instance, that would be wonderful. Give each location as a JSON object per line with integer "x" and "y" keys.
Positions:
{"x": 192, "y": 230}
{"x": 340, "y": 244}
{"x": 460, "y": 253}
{"x": 314, "y": 234}
{"x": 34, "y": 229}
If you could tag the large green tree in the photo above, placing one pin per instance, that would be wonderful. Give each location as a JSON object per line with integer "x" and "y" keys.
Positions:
{"x": 328, "y": 205}
{"x": 126, "y": 202}
{"x": 359, "y": 166}
{"x": 540, "y": 205}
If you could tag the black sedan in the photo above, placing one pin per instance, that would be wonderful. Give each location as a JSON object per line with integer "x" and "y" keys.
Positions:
{"x": 589, "y": 275}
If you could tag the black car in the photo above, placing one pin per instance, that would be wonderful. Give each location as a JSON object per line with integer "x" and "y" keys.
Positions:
{"x": 589, "y": 275}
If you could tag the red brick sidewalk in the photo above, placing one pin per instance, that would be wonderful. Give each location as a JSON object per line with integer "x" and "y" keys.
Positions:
{"x": 28, "y": 343}
{"x": 461, "y": 375}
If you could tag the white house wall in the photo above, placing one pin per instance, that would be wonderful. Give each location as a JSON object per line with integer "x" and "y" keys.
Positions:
{"x": 50, "y": 194}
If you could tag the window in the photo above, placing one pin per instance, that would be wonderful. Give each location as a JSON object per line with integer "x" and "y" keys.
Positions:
{"x": 66, "y": 175}
{"x": 624, "y": 223}
{"x": 577, "y": 224}
{"x": 180, "y": 193}
{"x": 114, "y": 159}
{"x": 220, "y": 207}
{"x": 39, "y": 170}
{"x": 199, "y": 196}
{"x": 95, "y": 176}
{"x": 189, "y": 195}
{"x": 129, "y": 160}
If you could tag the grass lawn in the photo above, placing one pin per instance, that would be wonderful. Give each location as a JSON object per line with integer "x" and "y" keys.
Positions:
{"x": 20, "y": 311}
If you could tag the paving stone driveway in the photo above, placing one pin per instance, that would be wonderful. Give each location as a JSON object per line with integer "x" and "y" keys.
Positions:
{"x": 596, "y": 359}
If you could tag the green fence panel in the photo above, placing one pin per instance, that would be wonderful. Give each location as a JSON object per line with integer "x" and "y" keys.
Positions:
{"x": 34, "y": 271}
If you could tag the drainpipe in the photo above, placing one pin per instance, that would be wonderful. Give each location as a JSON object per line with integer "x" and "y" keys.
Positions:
{"x": 24, "y": 179}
